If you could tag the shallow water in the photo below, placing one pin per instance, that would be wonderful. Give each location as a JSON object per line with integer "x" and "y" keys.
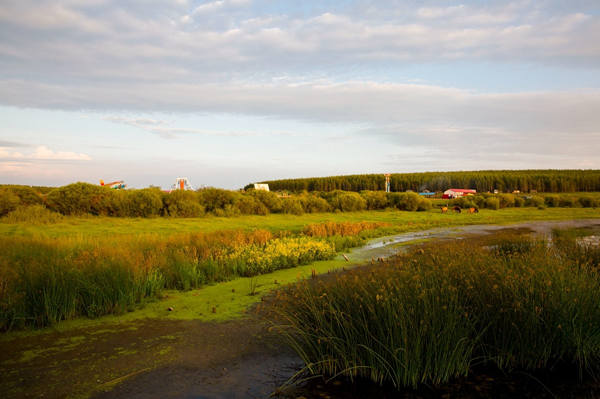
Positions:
{"x": 383, "y": 247}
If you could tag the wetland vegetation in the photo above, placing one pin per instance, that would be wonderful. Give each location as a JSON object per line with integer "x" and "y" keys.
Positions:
{"x": 437, "y": 312}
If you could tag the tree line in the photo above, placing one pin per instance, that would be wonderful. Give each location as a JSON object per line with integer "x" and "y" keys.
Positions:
{"x": 549, "y": 181}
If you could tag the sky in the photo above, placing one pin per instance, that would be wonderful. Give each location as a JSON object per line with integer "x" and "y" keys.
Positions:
{"x": 229, "y": 92}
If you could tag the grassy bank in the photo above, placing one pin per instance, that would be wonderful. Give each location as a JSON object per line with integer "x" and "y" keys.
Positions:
{"x": 435, "y": 313}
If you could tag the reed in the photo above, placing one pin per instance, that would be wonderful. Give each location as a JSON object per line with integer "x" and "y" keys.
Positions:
{"x": 431, "y": 315}
{"x": 45, "y": 280}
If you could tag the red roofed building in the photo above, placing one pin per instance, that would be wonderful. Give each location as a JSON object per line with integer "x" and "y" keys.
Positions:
{"x": 457, "y": 192}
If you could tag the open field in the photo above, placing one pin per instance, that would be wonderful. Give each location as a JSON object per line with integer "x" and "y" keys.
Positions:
{"x": 403, "y": 221}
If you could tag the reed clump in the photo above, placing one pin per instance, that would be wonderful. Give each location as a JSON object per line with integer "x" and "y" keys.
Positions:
{"x": 44, "y": 281}
{"x": 431, "y": 315}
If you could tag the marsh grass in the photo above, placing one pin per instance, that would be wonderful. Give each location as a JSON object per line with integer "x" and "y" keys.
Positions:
{"x": 44, "y": 281}
{"x": 435, "y": 313}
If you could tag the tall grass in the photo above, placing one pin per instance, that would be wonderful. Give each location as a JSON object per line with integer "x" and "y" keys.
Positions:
{"x": 44, "y": 281}
{"x": 433, "y": 314}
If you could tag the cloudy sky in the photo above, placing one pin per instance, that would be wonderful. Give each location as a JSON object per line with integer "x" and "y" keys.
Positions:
{"x": 229, "y": 92}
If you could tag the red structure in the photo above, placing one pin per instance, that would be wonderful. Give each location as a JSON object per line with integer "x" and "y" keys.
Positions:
{"x": 457, "y": 192}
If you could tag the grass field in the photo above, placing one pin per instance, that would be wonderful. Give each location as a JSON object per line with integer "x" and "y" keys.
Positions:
{"x": 135, "y": 248}
{"x": 403, "y": 221}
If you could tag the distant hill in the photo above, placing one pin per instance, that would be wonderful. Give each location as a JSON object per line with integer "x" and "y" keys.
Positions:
{"x": 550, "y": 180}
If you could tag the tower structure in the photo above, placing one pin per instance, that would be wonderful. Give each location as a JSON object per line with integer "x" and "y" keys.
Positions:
{"x": 387, "y": 182}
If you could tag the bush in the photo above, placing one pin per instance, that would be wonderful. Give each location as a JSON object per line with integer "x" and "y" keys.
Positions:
{"x": 492, "y": 203}
{"x": 182, "y": 203}
{"x": 347, "y": 201}
{"x": 215, "y": 198}
{"x": 146, "y": 202}
{"x": 588, "y": 202}
{"x": 519, "y": 202}
{"x": 314, "y": 204}
{"x": 268, "y": 198}
{"x": 292, "y": 205}
{"x": 535, "y": 201}
{"x": 80, "y": 199}
{"x": 552, "y": 201}
{"x": 423, "y": 204}
{"x": 8, "y": 201}
{"x": 567, "y": 202}
{"x": 506, "y": 200}
{"x": 120, "y": 203}
{"x": 464, "y": 202}
{"x": 375, "y": 199}
{"x": 27, "y": 195}
{"x": 249, "y": 205}
{"x": 33, "y": 214}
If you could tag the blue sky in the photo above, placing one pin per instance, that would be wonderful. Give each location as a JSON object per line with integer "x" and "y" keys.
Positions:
{"x": 228, "y": 92}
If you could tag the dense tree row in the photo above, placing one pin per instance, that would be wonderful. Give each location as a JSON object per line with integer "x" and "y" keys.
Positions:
{"x": 487, "y": 180}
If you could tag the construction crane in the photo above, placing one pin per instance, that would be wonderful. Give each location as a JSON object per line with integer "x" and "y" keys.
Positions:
{"x": 182, "y": 183}
{"x": 117, "y": 185}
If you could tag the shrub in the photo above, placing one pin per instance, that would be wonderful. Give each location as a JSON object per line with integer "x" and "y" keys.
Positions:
{"x": 79, "y": 199}
{"x": 314, "y": 204}
{"x": 120, "y": 203}
{"x": 249, "y": 205}
{"x": 347, "y": 201}
{"x": 405, "y": 201}
{"x": 8, "y": 201}
{"x": 464, "y": 202}
{"x": 215, "y": 198}
{"x": 375, "y": 199}
{"x": 567, "y": 202}
{"x": 492, "y": 203}
{"x": 292, "y": 205}
{"x": 506, "y": 200}
{"x": 587, "y": 202}
{"x": 268, "y": 198}
{"x": 535, "y": 201}
{"x": 423, "y": 204}
{"x": 182, "y": 203}
{"x": 33, "y": 214}
{"x": 27, "y": 195}
{"x": 146, "y": 202}
{"x": 519, "y": 202}
{"x": 552, "y": 201}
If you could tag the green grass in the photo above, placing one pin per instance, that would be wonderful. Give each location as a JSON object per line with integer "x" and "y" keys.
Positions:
{"x": 66, "y": 270}
{"x": 105, "y": 226}
{"x": 230, "y": 300}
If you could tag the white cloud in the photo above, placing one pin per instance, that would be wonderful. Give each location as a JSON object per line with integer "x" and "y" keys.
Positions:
{"x": 42, "y": 153}
{"x": 166, "y": 129}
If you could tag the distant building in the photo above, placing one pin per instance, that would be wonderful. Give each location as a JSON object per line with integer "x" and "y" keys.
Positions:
{"x": 457, "y": 192}
{"x": 261, "y": 187}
